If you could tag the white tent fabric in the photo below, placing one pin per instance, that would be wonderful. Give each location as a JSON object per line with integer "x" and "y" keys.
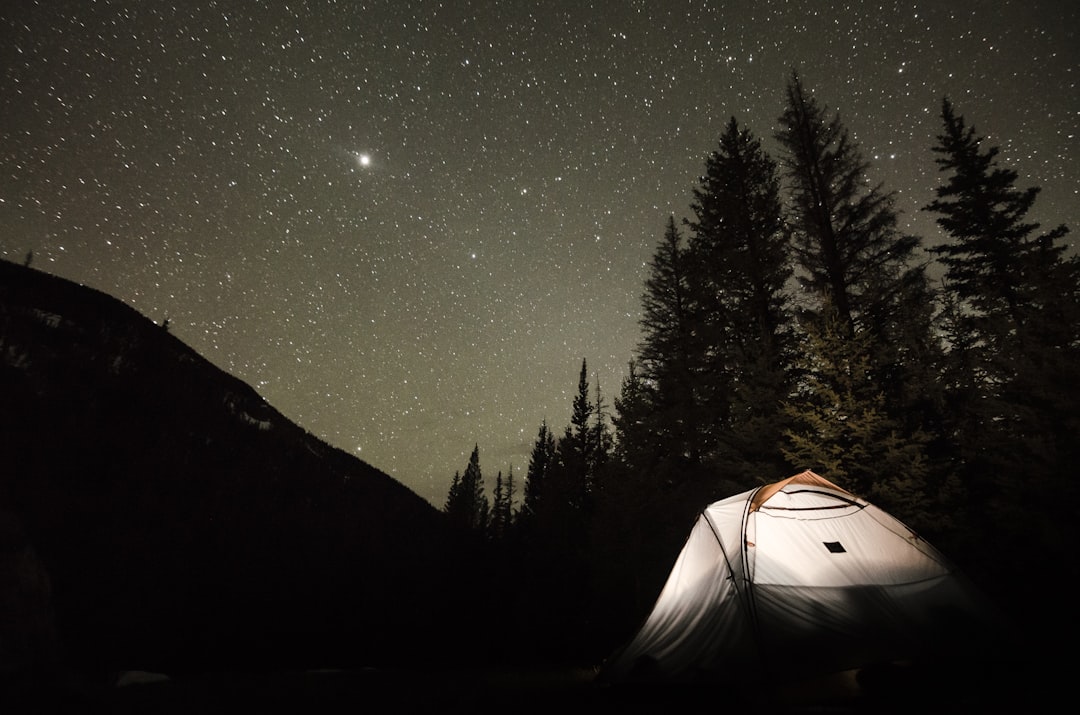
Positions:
{"x": 800, "y": 573}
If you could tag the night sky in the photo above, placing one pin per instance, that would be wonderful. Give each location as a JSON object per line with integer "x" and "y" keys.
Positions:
{"x": 406, "y": 223}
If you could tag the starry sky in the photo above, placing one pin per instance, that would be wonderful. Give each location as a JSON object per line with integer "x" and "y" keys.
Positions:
{"x": 407, "y": 222}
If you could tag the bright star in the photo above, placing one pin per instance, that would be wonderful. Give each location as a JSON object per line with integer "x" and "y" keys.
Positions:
{"x": 364, "y": 160}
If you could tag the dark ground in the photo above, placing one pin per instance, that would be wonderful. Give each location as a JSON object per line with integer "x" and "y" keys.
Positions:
{"x": 1015, "y": 688}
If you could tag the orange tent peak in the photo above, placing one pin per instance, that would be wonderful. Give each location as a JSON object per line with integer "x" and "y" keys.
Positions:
{"x": 806, "y": 478}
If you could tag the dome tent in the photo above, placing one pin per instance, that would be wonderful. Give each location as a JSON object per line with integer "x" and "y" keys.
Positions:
{"x": 805, "y": 576}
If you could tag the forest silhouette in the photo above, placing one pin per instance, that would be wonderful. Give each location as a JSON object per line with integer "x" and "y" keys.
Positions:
{"x": 789, "y": 324}
{"x": 158, "y": 514}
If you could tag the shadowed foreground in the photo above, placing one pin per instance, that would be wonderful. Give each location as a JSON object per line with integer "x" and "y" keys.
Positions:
{"x": 896, "y": 689}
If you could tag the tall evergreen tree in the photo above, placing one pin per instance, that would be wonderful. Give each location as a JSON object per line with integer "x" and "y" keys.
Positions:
{"x": 1013, "y": 327}
{"x": 467, "y": 504}
{"x": 1014, "y": 288}
{"x": 740, "y": 260}
{"x": 667, "y": 350}
{"x": 602, "y": 445}
{"x": 643, "y": 514}
{"x": 509, "y": 494}
{"x": 500, "y": 517}
{"x": 453, "y": 496}
{"x": 573, "y": 478}
{"x": 541, "y": 461}
{"x": 575, "y": 448}
{"x": 739, "y": 242}
{"x": 858, "y": 271}
{"x": 583, "y": 450}
{"x": 659, "y": 479}
{"x": 637, "y": 443}
{"x": 840, "y": 427}
{"x": 995, "y": 262}
{"x": 846, "y": 241}
{"x": 665, "y": 322}
{"x": 555, "y": 525}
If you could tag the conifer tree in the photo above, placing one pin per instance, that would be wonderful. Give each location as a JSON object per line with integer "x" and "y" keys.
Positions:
{"x": 739, "y": 243}
{"x": 845, "y": 236}
{"x": 555, "y": 523}
{"x": 453, "y": 496}
{"x": 509, "y": 493}
{"x": 602, "y": 444}
{"x": 666, "y": 359}
{"x": 1013, "y": 326}
{"x": 840, "y": 427}
{"x": 1014, "y": 289}
{"x": 642, "y": 516}
{"x": 858, "y": 271}
{"x": 576, "y": 445}
{"x": 740, "y": 260}
{"x": 994, "y": 264}
{"x": 664, "y": 353}
{"x": 502, "y": 507}
{"x": 497, "y": 527}
{"x": 582, "y": 450}
{"x": 573, "y": 479}
{"x": 541, "y": 461}
{"x": 467, "y": 504}
{"x": 637, "y": 444}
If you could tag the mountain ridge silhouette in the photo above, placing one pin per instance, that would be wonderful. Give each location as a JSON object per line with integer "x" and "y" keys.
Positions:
{"x": 181, "y": 521}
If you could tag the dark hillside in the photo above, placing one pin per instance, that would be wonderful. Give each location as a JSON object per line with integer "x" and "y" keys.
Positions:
{"x": 178, "y": 520}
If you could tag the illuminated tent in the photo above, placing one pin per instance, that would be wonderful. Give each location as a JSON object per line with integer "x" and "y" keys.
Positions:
{"x": 800, "y": 575}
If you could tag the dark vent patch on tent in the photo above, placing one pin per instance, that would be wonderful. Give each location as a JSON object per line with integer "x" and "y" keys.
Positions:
{"x": 835, "y": 547}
